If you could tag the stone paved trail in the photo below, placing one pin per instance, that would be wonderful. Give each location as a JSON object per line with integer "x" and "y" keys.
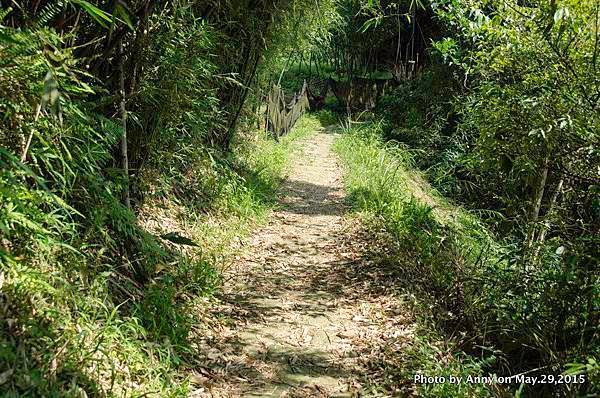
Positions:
{"x": 299, "y": 321}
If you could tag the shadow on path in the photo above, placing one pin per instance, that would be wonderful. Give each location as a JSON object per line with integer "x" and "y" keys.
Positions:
{"x": 300, "y": 316}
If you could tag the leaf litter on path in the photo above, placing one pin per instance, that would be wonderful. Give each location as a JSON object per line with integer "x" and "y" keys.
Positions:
{"x": 295, "y": 318}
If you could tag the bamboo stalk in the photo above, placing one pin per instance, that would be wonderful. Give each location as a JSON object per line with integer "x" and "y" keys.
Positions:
{"x": 123, "y": 146}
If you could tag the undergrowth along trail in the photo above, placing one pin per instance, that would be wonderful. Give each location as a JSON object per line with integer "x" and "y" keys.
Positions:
{"x": 453, "y": 274}
{"x": 417, "y": 238}
{"x": 93, "y": 330}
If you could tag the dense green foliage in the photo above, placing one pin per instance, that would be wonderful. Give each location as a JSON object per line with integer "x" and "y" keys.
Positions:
{"x": 458, "y": 276}
{"x": 104, "y": 258}
{"x": 97, "y": 297}
{"x": 504, "y": 120}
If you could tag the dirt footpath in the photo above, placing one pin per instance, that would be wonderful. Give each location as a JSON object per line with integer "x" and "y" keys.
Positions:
{"x": 297, "y": 317}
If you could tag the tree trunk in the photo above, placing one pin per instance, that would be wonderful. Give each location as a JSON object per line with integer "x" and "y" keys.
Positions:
{"x": 233, "y": 124}
{"x": 537, "y": 202}
{"x": 287, "y": 61}
{"x": 546, "y": 226}
{"x": 412, "y": 38}
{"x": 124, "y": 158}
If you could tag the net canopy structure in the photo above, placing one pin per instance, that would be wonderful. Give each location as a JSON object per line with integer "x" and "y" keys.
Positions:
{"x": 359, "y": 93}
{"x": 356, "y": 94}
{"x": 282, "y": 115}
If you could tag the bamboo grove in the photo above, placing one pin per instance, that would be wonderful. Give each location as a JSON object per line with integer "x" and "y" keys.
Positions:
{"x": 102, "y": 104}
{"x": 110, "y": 110}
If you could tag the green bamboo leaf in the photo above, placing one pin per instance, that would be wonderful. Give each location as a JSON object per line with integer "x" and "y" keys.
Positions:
{"x": 372, "y": 22}
{"x": 124, "y": 16}
{"x": 97, "y": 14}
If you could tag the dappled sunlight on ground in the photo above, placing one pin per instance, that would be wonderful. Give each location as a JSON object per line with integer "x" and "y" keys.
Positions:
{"x": 301, "y": 315}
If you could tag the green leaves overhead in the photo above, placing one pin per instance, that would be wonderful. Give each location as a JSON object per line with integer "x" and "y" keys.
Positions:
{"x": 101, "y": 17}
{"x": 8, "y": 39}
{"x": 124, "y": 15}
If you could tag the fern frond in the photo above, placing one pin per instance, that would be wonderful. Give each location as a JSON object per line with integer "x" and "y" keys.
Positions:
{"x": 4, "y": 13}
{"x": 49, "y": 12}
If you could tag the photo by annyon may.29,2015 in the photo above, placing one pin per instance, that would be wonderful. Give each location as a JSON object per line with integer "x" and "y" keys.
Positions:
{"x": 299, "y": 198}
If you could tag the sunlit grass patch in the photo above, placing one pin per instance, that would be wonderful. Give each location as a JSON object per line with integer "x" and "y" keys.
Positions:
{"x": 418, "y": 228}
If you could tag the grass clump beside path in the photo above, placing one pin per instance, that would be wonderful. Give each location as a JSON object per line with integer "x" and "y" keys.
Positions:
{"x": 422, "y": 239}
{"x": 79, "y": 321}
{"x": 479, "y": 312}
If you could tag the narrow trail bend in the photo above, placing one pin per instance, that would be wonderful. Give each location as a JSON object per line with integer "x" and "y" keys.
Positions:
{"x": 300, "y": 320}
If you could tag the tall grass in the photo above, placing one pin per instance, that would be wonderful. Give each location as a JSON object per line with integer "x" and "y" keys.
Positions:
{"x": 479, "y": 312}
{"x": 387, "y": 197}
